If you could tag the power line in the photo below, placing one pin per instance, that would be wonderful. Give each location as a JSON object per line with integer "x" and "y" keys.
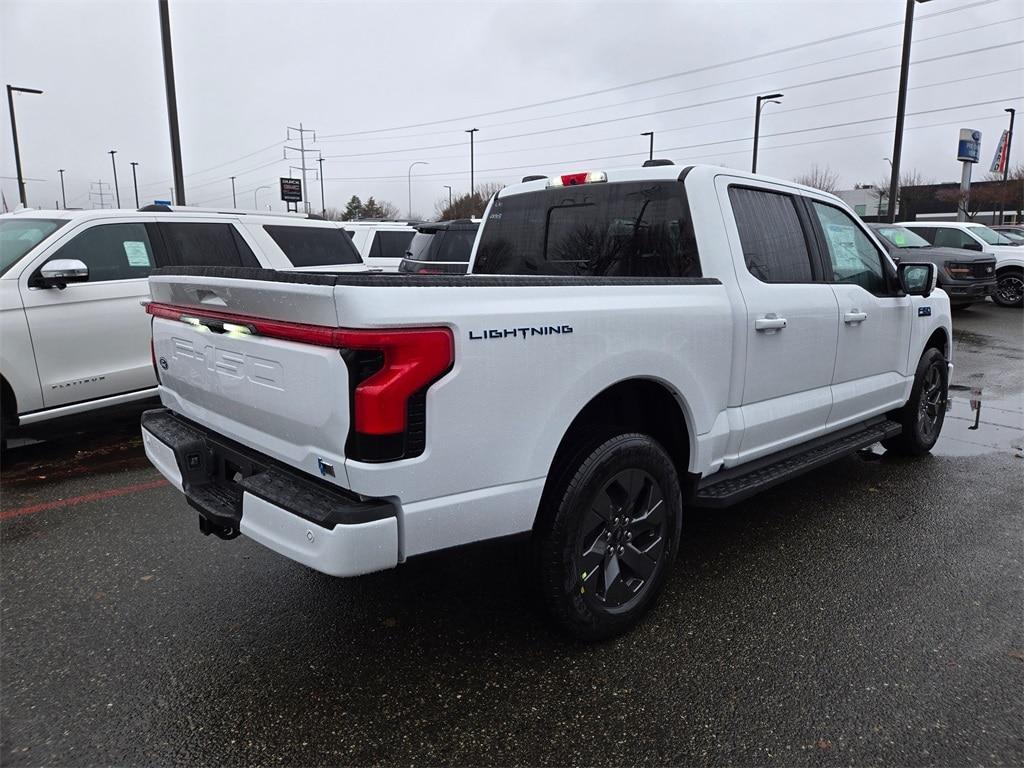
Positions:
{"x": 662, "y": 78}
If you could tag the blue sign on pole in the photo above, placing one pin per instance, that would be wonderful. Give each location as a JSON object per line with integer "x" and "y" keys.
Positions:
{"x": 969, "y": 149}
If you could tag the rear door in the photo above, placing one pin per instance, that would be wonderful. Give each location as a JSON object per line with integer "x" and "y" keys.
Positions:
{"x": 791, "y": 317}
{"x": 874, "y": 319}
{"x": 91, "y": 339}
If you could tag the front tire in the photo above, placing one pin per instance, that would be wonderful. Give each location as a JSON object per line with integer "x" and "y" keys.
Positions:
{"x": 608, "y": 535}
{"x": 925, "y": 412}
{"x": 1009, "y": 290}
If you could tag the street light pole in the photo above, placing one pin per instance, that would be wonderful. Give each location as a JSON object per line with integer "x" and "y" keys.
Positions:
{"x": 1006, "y": 164}
{"x": 255, "y": 196}
{"x": 323, "y": 205}
{"x": 14, "y": 134}
{"x": 63, "y": 197}
{"x": 135, "y": 183}
{"x": 472, "y": 183}
{"x": 113, "y": 162}
{"x": 650, "y": 156}
{"x": 446, "y": 186}
{"x": 771, "y": 98}
{"x": 901, "y": 108}
{"x": 418, "y": 162}
{"x": 172, "y": 103}
{"x": 234, "y": 200}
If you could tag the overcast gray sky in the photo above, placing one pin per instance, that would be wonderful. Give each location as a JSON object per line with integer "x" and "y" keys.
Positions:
{"x": 358, "y": 73}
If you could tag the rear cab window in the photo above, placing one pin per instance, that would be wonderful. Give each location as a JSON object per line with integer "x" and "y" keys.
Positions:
{"x": 314, "y": 246}
{"x": 623, "y": 229}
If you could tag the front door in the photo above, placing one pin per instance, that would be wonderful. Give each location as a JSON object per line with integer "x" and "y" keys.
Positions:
{"x": 874, "y": 321}
{"x": 791, "y": 318}
{"x": 91, "y": 339}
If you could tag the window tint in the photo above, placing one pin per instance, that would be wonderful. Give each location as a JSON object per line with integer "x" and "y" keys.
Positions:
{"x": 953, "y": 238}
{"x": 635, "y": 229}
{"x": 928, "y": 233}
{"x": 773, "y": 241}
{"x": 195, "y": 244}
{"x": 392, "y": 245}
{"x": 442, "y": 245}
{"x": 111, "y": 252}
{"x": 855, "y": 259}
{"x": 314, "y": 246}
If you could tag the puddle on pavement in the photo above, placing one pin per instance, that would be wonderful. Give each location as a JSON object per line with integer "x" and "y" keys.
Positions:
{"x": 977, "y": 423}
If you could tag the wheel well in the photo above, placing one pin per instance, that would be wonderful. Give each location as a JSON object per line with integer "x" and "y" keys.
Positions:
{"x": 8, "y": 403}
{"x": 940, "y": 341}
{"x": 634, "y": 405}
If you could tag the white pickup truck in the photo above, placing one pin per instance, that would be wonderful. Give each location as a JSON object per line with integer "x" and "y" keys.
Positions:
{"x": 627, "y": 344}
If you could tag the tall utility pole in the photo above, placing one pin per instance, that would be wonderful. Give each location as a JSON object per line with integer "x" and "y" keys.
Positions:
{"x": 448, "y": 187}
{"x": 113, "y": 163}
{"x": 172, "y": 103}
{"x": 234, "y": 202}
{"x": 97, "y": 189}
{"x": 771, "y": 98}
{"x": 301, "y": 149}
{"x": 650, "y": 155}
{"x": 413, "y": 165}
{"x": 901, "y": 108}
{"x": 14, "y": 134}
{"x": 63, "y": 197}
{"x": 1006, "y": 164}
{"x": 323, "y": 205}
{"x": 472, "y": 182}
{"x": 135, "y": 183}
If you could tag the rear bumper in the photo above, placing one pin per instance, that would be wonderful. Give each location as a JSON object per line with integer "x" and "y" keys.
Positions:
{"x": 238, "y": 490}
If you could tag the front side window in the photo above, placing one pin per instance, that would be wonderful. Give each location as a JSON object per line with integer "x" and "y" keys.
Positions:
{"x": 201, "y": 244}
{"x": 19, "y": 236}
{"x": 855, "y": 259}
{"x": 773, "y": 240}
{"x": 634, "y": 229}
{"x": 111, "y": 252}
{"x": 313, "y": 246}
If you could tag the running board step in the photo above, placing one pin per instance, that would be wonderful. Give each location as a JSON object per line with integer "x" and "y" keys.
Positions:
{"x": 733, "y": 485}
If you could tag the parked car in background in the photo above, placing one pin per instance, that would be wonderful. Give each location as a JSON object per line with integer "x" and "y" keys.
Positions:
{"x": 441, "y": 248}
{"x": 966, "y": 275}
{"x": 75, "y": 337}
{"x": 382, "y": 244}
{"x": 1009, "y": 290}
{"x": 627, "y": 343}
{"x": 1012, "y": 232}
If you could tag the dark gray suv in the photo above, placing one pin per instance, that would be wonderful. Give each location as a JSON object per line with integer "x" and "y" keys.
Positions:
{"x": 966, "y": 276}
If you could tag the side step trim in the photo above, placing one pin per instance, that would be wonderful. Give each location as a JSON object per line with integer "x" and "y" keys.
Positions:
{"x": 730, "y": 486}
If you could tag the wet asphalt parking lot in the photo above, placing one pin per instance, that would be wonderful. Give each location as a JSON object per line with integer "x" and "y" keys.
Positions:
{"x": 871, "y": 613}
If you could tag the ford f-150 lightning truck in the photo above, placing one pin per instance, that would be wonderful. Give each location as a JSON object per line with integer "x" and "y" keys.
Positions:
{"x": 627, "y": 344}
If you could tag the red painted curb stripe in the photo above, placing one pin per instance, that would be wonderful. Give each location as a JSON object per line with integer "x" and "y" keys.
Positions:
{"x": 83, "y": 499}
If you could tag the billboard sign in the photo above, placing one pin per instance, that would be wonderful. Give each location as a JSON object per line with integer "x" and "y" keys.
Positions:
{"x": 969, "y": 149}
{"x": 291, "y": 190}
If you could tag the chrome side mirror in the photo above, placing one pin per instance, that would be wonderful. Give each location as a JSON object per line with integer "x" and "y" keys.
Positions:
{"x": 57, "y": 273}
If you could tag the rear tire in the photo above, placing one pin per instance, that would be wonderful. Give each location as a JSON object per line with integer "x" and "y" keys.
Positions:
{"x": 923, "y": 415}
{"x": 607, "y": 535}
{"x": 1009, "y": 290}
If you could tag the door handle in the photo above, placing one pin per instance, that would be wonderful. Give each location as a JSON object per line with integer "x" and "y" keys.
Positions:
{"x": 770, "y": 322}
{"x": 855, "y": 316}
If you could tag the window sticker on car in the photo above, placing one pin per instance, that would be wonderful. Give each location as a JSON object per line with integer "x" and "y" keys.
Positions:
{"x": 844, "y": 249}
{"x": 137, "y": 254}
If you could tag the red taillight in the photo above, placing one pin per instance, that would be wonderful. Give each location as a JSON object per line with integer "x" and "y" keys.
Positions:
{"x": 412, "y": 359}
{"x": 429, "y": 271}
{"x": 575, "y": 179}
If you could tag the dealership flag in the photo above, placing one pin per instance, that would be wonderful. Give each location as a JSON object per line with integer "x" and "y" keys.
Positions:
{"x": 999, "y": 161}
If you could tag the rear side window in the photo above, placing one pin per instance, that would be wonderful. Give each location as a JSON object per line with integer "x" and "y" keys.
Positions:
{"x": 314, "y": 246}
{"x": 111, "y": 252}
{"x": 201, "y": 244}
{"x": 634, "y": 229}
{"x": 391, "y": 245}
{"x": 773, "y": 240}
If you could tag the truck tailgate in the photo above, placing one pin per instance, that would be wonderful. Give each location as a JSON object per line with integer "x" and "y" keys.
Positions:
{"x": 287, "y": 398}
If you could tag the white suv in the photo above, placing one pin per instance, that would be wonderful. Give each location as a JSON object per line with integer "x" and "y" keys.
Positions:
{"x": 1009, "y": 291}
{"x": 75, "y": 337}
{"x": 382, "y": 244}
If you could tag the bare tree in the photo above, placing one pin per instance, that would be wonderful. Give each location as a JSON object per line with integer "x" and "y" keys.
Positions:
{"x": 468, "y": 206}
{"x": 824, "y": 179}
{"x": 907, "y": 192}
